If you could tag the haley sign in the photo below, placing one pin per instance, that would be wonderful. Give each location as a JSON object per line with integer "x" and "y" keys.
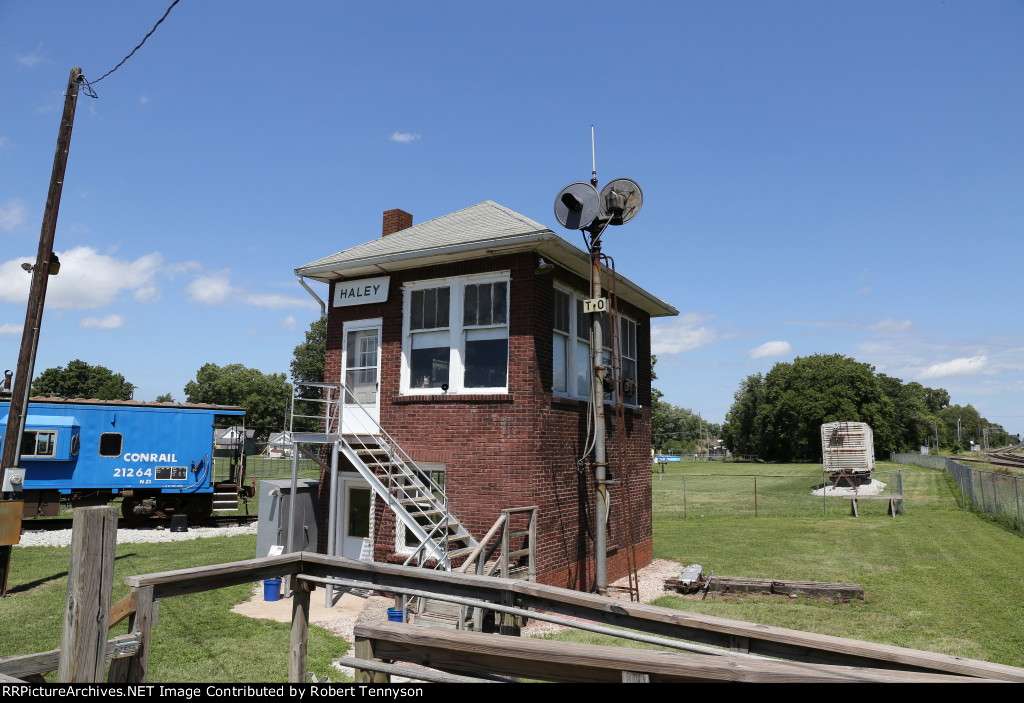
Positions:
{"x": 361, "y": 291}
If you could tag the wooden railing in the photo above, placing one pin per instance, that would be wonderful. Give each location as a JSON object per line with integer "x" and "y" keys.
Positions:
{"x": 735, "y": 639}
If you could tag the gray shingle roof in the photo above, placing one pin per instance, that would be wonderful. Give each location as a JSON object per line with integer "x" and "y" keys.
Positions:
{"x": 486, "y": 224}
{"x": 483, "y": 229}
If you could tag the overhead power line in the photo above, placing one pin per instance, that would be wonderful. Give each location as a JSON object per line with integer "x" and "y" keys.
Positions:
{"x": 91, "y": 93}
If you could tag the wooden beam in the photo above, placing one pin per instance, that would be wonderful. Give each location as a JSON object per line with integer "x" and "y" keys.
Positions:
{"x": 764, "y": 640}
{"x": 23, "y": 666}
{"x": 180, "y": 582}
{"x": 548, "y": 660}
{"x": 87, "y": 610}
{"x": 300, "y": 633}
{"x": 122, "y": 609}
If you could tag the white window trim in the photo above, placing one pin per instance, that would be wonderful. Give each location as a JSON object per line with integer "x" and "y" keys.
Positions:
{"x": 457, "y": 334}
{"x": 570, "y": 392}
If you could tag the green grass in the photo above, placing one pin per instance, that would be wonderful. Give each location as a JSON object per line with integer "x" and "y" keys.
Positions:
{"x": 196, "y": 639}
{"x": 937, "y": 578}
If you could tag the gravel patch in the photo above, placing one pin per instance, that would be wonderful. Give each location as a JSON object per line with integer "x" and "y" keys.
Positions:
{"x": 62, "y": 538}
{"x": 872, "y": 488}
{"x": 651, "y": 586}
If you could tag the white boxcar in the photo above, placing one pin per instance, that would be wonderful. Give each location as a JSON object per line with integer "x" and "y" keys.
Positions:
{"x": 848, "y": 447}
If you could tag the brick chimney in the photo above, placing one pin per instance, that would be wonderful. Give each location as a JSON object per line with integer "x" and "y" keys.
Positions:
{"x": 396, "y": 221}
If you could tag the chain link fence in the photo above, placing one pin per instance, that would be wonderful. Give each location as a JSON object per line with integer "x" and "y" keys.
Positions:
{"x": 998, "y": 495}
{"x": 770, "y": 495}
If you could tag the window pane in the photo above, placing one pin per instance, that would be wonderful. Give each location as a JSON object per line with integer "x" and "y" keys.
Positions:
{"x": 358, "y": 512}
{"x": 560, "y": 372}
{"x": 629, "y": 381}
{"x": 443, "y": 298}
{"x": 430, "y": 308}
{"x": 561, "y": 311}
{"x": 485, "y": 304}
{"x": 470, "y": 306}
{"x": 486, "y": 363}
{"x": 628, "y": 338}
{"x": 110, "y": 444}
{"x": 499, "y": 303}
{"x": 583, "y": 363}
{"x": 429, "y": 367}
{"x": 582, "y": 321}
{"x": 416, "y": 310}
{"x": 362, "y": 386}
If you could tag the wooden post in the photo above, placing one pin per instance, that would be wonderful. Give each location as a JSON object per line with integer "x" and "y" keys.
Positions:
{"x": 141, "y": 622}
{"x": 364, "y": 650}
{"x": 10, "y": 457}
{"x": 87, "y": 611}
{"x": 300, "y": 631}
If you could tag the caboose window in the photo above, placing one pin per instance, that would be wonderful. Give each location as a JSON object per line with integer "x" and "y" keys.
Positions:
{"x": 110, "y": 444}
{"x": 39, "y": 443}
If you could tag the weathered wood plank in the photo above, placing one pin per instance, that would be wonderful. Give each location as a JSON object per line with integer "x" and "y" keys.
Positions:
{"x": 179, "y": 582}
{"x": 142, "y": 622}
{"x": 122, "y": 609}
{"x": 409, "y": 672}
{"x": 461, "y": 651}
{"x": 763, "y": 639}
{"x": 300, "y": 632}
{"x": 87, "y": 609}
{"x": 22, "y": 666}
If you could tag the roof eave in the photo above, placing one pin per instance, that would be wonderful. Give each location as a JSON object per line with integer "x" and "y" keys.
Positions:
{"x": 545, "y": 242}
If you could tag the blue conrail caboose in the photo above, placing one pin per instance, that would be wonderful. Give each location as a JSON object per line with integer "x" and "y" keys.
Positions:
{"x": 158, "y": 457}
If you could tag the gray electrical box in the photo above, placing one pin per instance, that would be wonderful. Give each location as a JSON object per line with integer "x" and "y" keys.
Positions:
{"x": 278, "y": 509}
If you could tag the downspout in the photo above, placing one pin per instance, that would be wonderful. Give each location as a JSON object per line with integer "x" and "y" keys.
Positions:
{"x": 323, "y": 305}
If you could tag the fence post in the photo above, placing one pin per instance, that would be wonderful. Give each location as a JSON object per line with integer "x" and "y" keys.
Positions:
{"x": 684, "y": 497}
{"x": 83, "y": 647}
{"x": 300, "y": 631}
{"x": 755, "y": 496}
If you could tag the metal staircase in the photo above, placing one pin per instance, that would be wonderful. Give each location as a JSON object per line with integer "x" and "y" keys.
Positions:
{"x": 408, "y": 491}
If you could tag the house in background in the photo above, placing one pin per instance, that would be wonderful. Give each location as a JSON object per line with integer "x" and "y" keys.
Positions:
{"x": 463, "y": 342}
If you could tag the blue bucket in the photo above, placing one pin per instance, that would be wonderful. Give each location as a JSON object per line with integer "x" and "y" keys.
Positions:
{"x": 271, "y": 589}
{"x": 396, "y": 615}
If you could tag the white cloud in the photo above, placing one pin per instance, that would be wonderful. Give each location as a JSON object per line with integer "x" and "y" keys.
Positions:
{"x": 143, "y": 99}
{"x": 11, "y": 328}
{"x": 12, "y": 215}
{"x": 890, "y": 325}
{"x": 147, "y": 294}
{"x": 32, "y": 59}
{"x": 275, "y": 300}
{"x": 684, "y": 333}
{"x": 288, "y": 323}
{"x": 957, "y": 367}
{"x": 87, "y": 279}
{"x": 404, "y": 137}
{"x": 210, "y": 289}
{"x": 215, "y": 289}
{"x": 777, "y": 348}
{"x": 110, "y": 322}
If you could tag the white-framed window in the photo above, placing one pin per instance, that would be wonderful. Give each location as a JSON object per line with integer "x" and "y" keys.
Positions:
{"x": 455, "y": 335}
{"x": 571, "y": 359}
{"x": 39, "y": 444}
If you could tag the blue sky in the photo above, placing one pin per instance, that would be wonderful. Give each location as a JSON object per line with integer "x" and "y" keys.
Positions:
{"x": 819, "y": 177}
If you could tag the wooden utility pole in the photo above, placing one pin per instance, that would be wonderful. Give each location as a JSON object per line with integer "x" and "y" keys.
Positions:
{"x": 45, "y": 266}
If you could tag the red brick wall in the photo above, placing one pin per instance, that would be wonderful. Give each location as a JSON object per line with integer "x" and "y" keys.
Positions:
{"x": 521, "y": 448}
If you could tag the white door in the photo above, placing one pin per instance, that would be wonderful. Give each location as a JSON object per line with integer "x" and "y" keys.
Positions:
{"x": 361, "y": 375}
{"x": 355, "y": 524}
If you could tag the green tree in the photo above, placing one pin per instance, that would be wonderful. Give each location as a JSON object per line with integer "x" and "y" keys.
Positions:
{"x": 165, "y": 398}
{"x": 800, "y": 396}
{"x": 265, "y": 397}
{"x": 81, "y": 380}
{"x": 308, "y": 357}
{"x": 741, "y": 432}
